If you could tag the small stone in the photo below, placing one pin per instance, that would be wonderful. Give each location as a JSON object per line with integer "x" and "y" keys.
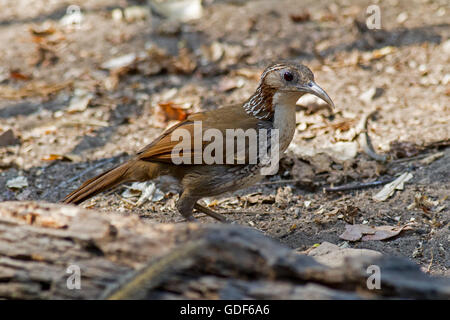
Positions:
{"x": 117, "y": 15}
{"x": 334, "y": 256}
{"x": 402, "y": 17}
{"x": 446, "y": 46}
{"x": 136, "y": 13}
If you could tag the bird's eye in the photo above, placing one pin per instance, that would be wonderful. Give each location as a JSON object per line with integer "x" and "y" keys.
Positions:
{"x": 288, "y": 76}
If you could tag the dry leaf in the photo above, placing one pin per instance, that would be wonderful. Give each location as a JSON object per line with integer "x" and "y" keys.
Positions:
{"x": 52, "y": 157}
{"x": 43, "y": 30}
{"x": 145, "y": 191}
{"x": 17, "y": 183}
{"x": 300, "y": 17}
{"x": 184, "y": 63}
{"x": 355, "y": 232}
{"x": 167, "y": 111}
{"x": 8, "y": 138}
{"x": 17, "y": 75}
{"x": 80, "y": 101}
{"x": 389, "y": 189}
{"x": 63, "y": 157}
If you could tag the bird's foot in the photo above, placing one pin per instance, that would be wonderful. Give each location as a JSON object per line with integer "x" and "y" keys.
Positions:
{"x": 211, "y": 213}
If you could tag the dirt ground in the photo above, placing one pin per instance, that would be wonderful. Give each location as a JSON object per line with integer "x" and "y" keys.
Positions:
{"x": 401, "y": 70}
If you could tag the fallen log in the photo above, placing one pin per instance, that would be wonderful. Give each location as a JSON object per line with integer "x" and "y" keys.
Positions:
{"x": 45, "y": 247}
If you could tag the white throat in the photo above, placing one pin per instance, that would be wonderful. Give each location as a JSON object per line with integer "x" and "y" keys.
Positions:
{"x": 284, "y": 116}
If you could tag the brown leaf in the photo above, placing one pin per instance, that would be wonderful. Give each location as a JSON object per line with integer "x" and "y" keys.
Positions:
{"x": 185, "y": 62}
{"x": 8, "y": 138}
{"x": 17, "y": 75}
{"x": 300, "y": 17}
{"x": 62, "y": 157}
{"x": 43, "y": 30}
{"x": 349, "y": 213}
{"x": 362, "y": 232}
{"x": 167, "y": 111}
{"x": 344, "y": 125}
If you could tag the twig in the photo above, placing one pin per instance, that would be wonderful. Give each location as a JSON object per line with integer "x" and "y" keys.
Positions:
{"x": 357, "y": 186}
{"x": 419, "y": 157}
{"x": 280, "y": 181}
{"x": 366, "y": 142}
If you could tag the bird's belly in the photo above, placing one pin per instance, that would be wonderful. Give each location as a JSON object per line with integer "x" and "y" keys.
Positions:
{"x": 215, "y": 180}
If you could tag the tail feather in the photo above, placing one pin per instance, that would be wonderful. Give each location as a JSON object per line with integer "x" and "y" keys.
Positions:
{"x": 102, "y": 182}
{"x": 133, "y": 170}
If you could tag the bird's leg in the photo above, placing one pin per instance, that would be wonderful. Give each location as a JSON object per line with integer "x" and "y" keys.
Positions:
{"x": 185, "y": 206}
{"x": 187, "y": 203}
{"x": 210, "y": 213}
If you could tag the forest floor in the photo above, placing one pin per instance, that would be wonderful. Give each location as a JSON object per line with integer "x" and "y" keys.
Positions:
{"x": 74, "y": 111}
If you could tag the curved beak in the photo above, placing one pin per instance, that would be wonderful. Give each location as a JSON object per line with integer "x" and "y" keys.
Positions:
{"x": 314, "y": 89}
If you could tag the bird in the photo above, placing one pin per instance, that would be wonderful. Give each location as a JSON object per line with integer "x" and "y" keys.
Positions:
{"x": 271, "y": 110}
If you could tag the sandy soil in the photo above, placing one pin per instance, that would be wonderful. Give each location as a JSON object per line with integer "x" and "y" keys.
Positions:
{"x": 401, "y": 70}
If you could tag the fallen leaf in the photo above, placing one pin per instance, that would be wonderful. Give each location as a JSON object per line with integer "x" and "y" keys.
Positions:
{"x": 378, "y": 54}
{"x": 52, "y": 157}
{"x": 62, "y": 157}
{"x": 17, "y": 183}
{"x": 80, "y": 100}
{"x": 17, "y": 75}
{"x": 389, "y": 189}
{"x": 145, "y": 191}
{"x": 184, "y": 63}
{"x": 8, "y": 138}
{"x": 423, "y": 202}
{"x": 348, "y": 213}
{"x": 43, "y": 30}
{"x": 167, "y": 111}
{"x": 356, "y": 232}
{"x": 300, "y": 17}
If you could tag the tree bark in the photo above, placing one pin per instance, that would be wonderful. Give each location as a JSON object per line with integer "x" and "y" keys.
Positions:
{"x": 122, "y": 257}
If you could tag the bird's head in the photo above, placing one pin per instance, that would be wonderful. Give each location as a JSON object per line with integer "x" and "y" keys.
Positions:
{"x": 292, "y": 80}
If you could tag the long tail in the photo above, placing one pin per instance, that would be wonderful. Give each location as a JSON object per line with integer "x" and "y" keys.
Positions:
{"x": 129, "y": 171}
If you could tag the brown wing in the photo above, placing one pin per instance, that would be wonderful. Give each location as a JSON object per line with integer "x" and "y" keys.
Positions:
{"x": 161, "y": 149}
